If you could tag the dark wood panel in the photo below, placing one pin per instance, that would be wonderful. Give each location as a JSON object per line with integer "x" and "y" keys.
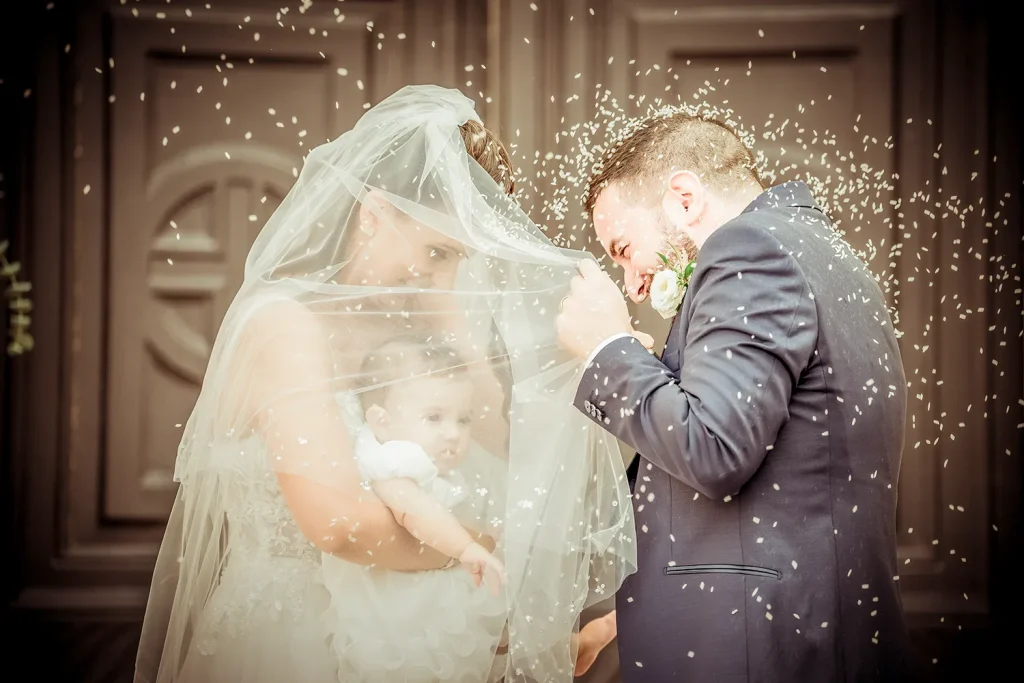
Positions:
{"x": 80, "y": 651}
{"x": 202, "y": 147}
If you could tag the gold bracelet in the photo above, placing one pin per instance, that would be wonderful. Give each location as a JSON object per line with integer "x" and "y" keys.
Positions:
{"x": 452, "y": 561}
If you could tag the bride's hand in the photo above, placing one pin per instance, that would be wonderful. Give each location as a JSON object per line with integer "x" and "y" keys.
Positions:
{"x": 593, "y": 638}
{"x": 481, "y": 565}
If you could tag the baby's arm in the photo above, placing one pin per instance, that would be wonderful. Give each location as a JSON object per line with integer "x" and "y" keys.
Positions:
{"x": 423, "y": 516}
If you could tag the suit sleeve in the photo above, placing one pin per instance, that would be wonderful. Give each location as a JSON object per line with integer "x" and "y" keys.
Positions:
{"x": 752, "y": 331}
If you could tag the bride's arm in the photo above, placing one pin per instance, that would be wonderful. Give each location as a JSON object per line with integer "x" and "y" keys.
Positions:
{"x": 311, "y": 449}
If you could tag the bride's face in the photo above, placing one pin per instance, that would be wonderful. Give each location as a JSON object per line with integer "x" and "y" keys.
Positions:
{"x": 394, "y": 250}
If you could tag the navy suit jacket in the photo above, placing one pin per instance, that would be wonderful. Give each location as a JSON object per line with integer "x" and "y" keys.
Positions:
{"x": 770, "y": 435}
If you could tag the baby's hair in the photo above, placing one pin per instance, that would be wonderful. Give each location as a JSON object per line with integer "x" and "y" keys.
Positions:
{"x": 402, "y": 358}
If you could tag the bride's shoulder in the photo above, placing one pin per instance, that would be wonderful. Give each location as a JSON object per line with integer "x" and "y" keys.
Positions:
{"x": 276, "y": 315}
{"x": 279, "y": 323}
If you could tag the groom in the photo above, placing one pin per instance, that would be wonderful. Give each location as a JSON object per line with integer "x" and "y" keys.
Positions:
{"x": 769, "y": 432}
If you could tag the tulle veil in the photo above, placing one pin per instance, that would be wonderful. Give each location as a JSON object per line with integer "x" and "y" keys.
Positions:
{"x": 393, "y": 229}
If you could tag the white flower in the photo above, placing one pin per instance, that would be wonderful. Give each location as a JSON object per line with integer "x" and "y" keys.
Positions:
{"x": 666, "y": 292}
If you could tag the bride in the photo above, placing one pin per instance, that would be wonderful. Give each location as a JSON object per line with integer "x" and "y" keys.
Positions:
{"x": 383, "y": 478}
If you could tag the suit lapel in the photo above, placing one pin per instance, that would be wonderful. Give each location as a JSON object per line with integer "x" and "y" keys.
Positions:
{"x": 668, "y": 337}
{"x": 670, "y": 355}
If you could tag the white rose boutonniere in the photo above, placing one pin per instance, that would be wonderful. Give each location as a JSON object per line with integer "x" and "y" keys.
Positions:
{"x": 666, "y": 293}
{"x": 669, "y": 286}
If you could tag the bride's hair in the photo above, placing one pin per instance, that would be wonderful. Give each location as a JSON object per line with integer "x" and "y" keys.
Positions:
{"x": 490, "y": 153}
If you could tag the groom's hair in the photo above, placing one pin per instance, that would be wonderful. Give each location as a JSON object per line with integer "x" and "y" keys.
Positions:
{"x": 406, "y": 357}
{"x": 662, "y": 144}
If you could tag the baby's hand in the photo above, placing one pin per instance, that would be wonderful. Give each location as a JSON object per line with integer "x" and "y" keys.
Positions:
{"x": 481, "y": 564}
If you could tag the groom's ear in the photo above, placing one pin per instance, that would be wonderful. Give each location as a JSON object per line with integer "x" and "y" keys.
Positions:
{"x": 684, "y": 198}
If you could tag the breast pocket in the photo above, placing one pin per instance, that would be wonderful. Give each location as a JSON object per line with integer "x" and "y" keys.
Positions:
{"x": 742, "y": 569}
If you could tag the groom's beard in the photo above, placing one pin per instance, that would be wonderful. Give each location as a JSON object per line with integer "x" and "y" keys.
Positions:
{"x": 687, "y": 247}
{"x": 678, "y": 239}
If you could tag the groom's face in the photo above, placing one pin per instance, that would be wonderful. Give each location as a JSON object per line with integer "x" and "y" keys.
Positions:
{"x": 632, "y": 234}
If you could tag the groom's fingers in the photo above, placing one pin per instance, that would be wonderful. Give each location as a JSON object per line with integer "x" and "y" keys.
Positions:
{"x": 577, "y": 285}
{"x": 589, "y": 268}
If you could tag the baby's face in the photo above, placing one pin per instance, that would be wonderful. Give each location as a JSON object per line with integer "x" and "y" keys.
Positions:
{"x": 437, "y": 414}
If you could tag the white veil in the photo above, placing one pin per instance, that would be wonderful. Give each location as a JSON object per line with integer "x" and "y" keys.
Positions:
{"x": 392, "y": 230}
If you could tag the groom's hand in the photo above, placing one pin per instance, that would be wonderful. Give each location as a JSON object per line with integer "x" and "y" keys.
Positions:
{"x": 594, "y": 311}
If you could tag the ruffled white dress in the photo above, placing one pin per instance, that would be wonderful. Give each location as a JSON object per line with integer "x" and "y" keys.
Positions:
{"x": 417, "y": 627}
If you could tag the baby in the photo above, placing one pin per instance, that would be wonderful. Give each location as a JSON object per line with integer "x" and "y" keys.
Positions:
{"x": 411, "y": 414}
{"x": 418, "y": 409}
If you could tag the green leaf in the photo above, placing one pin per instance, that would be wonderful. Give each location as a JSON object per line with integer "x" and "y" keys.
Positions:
{"x": 688, "y": 270}
{"x": 664, "y": 259}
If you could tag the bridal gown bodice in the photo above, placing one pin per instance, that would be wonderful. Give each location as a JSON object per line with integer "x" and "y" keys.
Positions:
{"x": 263, "y": 620}
{"x": 270, "y": 567}
{"x": 271, "y": 617}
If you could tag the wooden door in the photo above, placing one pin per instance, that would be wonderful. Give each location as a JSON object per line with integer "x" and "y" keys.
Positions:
{"x": 162, "y": 135}
{"x": 208, "y": 128}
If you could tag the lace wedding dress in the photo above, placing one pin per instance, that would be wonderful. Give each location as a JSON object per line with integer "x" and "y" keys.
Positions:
{"x": 264, "y": 620}
{"x": 272, "y": 618}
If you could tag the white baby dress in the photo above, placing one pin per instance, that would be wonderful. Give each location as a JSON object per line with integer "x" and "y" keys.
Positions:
{"x": 417, "y": 627}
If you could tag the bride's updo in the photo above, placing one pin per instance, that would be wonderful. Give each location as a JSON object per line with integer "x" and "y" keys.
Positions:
{"x": 490, "y": 153}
